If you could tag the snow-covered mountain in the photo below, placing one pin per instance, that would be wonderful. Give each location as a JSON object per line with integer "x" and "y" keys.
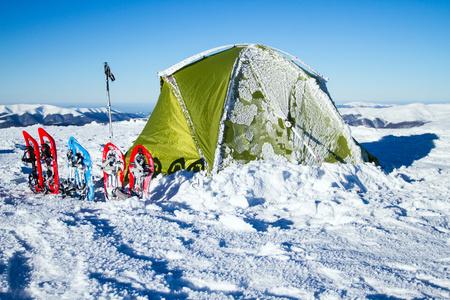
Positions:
{"x": 21, "y": 115}
{"x": 264, "y": 230}
{"x": 390, "y": 116}
{"x": 354, "y": 114}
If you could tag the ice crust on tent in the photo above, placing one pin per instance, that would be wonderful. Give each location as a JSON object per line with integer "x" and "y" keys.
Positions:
{"x": 243, "y": 114}
{"x": 257, "y": 102}
{"x": 194, "y": 58}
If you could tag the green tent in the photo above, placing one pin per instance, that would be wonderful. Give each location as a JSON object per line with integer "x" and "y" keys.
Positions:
{"x": 229, "y": 105}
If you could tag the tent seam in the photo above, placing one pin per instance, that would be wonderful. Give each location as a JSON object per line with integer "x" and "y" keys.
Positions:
{"x": 226, "y": 106}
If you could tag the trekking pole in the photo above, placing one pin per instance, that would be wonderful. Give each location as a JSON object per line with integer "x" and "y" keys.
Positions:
{"x": 109, "y": 75}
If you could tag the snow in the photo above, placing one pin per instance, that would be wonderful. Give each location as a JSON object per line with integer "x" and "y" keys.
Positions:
{"x": 264, "y": 230}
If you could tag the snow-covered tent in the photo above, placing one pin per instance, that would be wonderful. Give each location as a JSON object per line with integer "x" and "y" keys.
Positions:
{"x": 230, "y": 105}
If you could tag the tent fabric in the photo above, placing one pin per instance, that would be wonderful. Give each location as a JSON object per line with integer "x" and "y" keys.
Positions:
{"x": 165, "y": 131}
{"x": 230, "y": 106}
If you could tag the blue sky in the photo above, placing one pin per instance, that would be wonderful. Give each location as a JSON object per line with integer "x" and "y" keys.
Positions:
{"x": 52, "y": 52}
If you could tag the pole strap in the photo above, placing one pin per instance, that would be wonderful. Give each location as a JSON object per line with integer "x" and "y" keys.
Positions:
{"x": 108, "y": 72}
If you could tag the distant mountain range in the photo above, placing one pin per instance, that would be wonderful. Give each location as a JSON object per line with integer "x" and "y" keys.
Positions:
{"x": 386, "y": 116}
{"x": 21, "y": 115}
{"x": 354, "y": 114}
{"x": 359, "y": 120}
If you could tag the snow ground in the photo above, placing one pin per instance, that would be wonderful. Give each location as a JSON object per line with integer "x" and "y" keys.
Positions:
{"x": 263, "y": 230}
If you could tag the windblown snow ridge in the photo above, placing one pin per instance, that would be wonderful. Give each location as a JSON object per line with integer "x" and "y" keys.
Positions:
{"x": 21, "y": 115}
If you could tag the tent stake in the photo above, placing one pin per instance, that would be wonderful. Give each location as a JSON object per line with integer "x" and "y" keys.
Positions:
{"x": 109, "y": 75}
